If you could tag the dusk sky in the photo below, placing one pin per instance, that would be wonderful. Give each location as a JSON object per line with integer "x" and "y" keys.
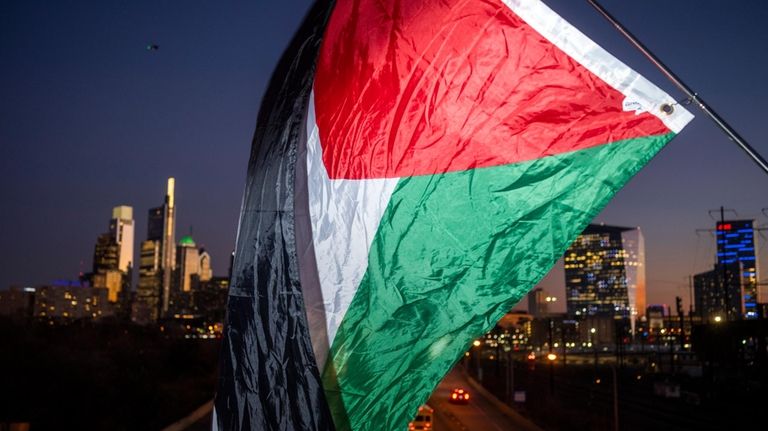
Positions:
{"x": 91, "y": 119}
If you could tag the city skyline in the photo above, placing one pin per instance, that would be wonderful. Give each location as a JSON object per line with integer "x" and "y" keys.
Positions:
{"x": 93, "y": 120}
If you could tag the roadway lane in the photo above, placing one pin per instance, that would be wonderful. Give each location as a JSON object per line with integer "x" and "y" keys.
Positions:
{"x": 481, "y": 414}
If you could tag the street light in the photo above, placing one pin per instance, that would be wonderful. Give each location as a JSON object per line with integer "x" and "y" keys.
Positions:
{"x": 718, "y": 319}
{"x": 477, "y": 354}
{"x": 551, "y": 356}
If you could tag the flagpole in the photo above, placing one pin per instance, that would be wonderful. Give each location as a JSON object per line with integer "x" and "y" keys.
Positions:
{"x": 692, "y": 95}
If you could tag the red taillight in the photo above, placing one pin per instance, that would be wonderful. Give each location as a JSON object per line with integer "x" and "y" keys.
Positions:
{"x": 466, "y": 396}
{"x": 453, "y": 396}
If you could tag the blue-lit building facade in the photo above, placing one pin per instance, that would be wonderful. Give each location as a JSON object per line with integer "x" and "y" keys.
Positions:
{"x": 737, "y": 253}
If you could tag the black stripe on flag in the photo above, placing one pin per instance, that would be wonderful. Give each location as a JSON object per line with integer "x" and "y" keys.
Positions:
{"x": 269, "y": 379}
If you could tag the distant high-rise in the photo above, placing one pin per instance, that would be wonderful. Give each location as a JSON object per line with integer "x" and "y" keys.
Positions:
{"x": 106, "y": 254}
{"x": 113, "y": 255}
{"x": 710, "y": 294}
{"x": 605, "y": 273}
{"x": 121, "y": 229}
{"x": 737, "y": 253}
{"x": 188, "y": 264}
{"x": 169, "y": 243}
{"x": 146, "y": 307}
{"x": 539, "y": 302}
{"x": 157, "y": 262}
{"x": 206, "y": 272}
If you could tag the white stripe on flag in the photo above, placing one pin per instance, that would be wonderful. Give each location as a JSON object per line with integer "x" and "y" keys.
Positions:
{"x": 345, "y": 216}
{"x": 599, "y": 61}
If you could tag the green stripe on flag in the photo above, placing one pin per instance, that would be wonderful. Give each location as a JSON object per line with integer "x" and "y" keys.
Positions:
{"x": 453, "y": 254}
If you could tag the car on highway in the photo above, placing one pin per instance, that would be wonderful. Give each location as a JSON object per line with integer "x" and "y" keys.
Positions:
{"x": 459, "y": 396}
{"x": 423, "y": 419}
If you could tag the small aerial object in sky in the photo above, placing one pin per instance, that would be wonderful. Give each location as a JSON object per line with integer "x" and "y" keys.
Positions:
{"x": 153, "y": 47}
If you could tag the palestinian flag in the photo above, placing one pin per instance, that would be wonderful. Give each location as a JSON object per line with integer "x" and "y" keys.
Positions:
{"x": 417, "y": 167}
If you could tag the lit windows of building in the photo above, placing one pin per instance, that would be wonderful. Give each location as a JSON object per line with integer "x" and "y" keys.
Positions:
{"x": 68, "y": 301}
{"x": 737, "y": 256}
{"x": 605, "y": 274}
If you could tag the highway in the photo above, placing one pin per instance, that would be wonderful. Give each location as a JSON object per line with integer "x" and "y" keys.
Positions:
{"x": 481, "y": 414}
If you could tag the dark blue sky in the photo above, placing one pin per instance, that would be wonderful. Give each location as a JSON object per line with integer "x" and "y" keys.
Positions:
{"x": 90, "y": 119}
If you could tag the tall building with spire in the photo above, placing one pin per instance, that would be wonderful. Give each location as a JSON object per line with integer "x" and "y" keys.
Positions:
{"x": 169, "y": 243}
{"x": 157, "y": 261}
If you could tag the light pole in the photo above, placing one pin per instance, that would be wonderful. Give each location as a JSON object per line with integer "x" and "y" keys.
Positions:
{"x": 510, "y": 377}
{"x": 615, "y": 398}
{"x": 476, "y": 352}
{"x": 593, "y": 337}
{"x": 551, "y": 357}
{"x": 565, "y": 344}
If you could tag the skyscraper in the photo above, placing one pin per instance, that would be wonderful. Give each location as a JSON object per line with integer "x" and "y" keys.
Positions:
{"x": 121, "y": 229}
{"x": 710, "y": 294}
{"x": 106, "y": 254}
{"x": 605, "y": 273}
{"x": 113, "y": 256}
{"x": 169, "y": 242}
{"x": 157, "y": 262}
{"x": 189, "y": 264}
{"x": 206, "y": 272}
{"x": 146, "y": 307}
{"x": 736, "y": 253}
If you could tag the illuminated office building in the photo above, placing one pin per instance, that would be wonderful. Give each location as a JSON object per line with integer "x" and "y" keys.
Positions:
{"x": 710, "y": 295}
{"x": 157, "y": 261}
{"x": 65, "y": 302}
{"x": 121, "y": 229}
{"x": 113, "y": 256}
{"x": 106, "y": 253}
{"x": 168, "y": 245}
{"x": 188, "y": 264}
{"x": 146, "y": 306}
{"x": 605, "y": 274}
{"x": 206, "y": 272}
{"x": 736, "y": 252}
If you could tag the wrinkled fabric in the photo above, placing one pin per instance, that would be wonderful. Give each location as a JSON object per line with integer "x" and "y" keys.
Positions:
{"x": 408, "y": 88}
{"x": 268, "y": 376}
{"x": 458, "y": 148}
{"x": 453, "y": 254}
{"x": 405, "y": 196}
